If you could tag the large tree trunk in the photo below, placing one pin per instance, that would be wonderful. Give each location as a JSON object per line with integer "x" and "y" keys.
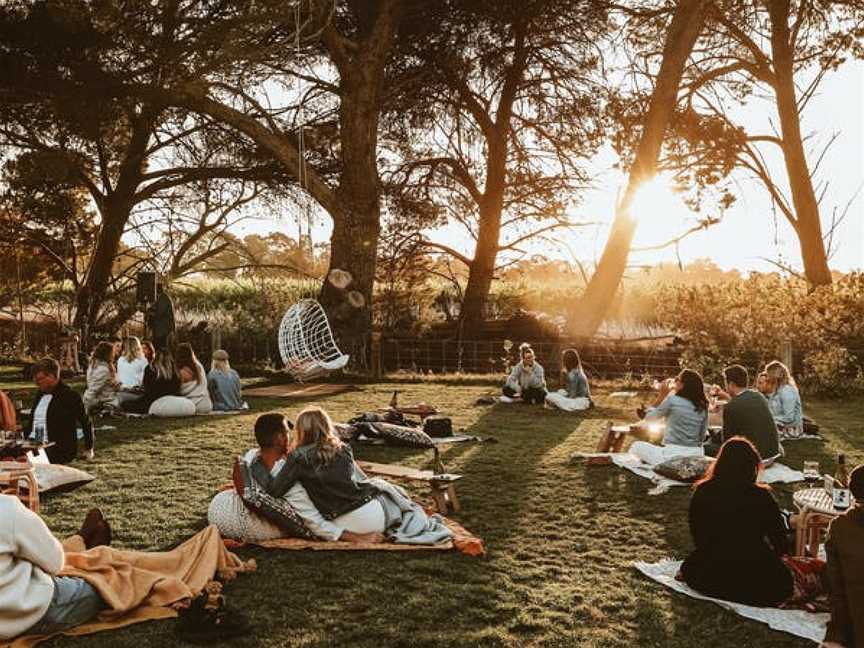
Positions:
{"x": 115, "y": 209}
{"x": 588, "y": 313}
{"x": 808, "y": 225}
{"x": 88, "y": 302}
{"x": 482, "y": 268}
{"x": 357, "y": 210}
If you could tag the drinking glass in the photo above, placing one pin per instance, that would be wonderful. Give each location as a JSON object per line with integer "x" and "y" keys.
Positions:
{"x": 811, "y": 472}
{"x": 39, "y": 434}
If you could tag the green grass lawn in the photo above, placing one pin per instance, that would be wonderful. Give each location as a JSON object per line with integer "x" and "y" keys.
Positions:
{"x": 560, "y": 535}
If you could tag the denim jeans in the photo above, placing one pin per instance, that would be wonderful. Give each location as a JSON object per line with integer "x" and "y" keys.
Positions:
{"x": 75, "y": 601}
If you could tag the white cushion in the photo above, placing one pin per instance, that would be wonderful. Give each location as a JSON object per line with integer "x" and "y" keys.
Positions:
{"x": 172, "y": 406}
{"x": 58, "y": 476}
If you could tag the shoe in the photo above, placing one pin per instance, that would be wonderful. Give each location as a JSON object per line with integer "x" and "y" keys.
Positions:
{"x": 95, "y": 529}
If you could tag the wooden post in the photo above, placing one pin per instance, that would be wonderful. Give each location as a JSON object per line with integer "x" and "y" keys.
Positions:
{"x": 786, "y": 356}
{"x": 376, "y": 354}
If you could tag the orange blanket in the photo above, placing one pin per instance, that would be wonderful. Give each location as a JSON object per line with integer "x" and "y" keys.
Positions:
{"x": 138, "y": 586}
{"x": 463, "y": 541}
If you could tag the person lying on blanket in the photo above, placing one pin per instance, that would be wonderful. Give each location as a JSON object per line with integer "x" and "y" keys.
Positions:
{"x": 740, "y": 537}
{"x": 683, "y": 408}
{"x": 34, "y": 599}
{"x": 341, "y": 491}
{"x": 235, "y": 521}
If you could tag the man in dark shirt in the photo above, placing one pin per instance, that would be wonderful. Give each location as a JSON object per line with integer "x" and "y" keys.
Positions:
{"x": 747, "y": 414}
{"x": 161, "y": 318}
{"x": 57, "y": 412}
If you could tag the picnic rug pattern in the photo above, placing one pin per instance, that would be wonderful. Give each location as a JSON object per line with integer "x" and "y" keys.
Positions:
{"x": 299, "y": 390}
{"x": 463, "y": 541}
{"x": 808, "y": 625}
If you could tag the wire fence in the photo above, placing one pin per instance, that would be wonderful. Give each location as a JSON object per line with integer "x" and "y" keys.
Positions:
{"x": 419, "y": 355}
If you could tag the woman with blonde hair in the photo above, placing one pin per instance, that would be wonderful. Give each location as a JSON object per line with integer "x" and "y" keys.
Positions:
{"x": 131, "y": 363}
{"x": 224, "y": 384}
{"x": 101, "y": 378}
{"x": 161, "y": 379}
{"x": 326, "y": 468}
{"x": 784, "y": 399}
{"x": 193, "y": 379}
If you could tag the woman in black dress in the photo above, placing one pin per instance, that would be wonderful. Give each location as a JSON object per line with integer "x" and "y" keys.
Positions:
{"x": 738, "y": 531}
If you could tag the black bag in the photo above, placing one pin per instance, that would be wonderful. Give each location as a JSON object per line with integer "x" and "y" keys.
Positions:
{"x": 438, "y": 426}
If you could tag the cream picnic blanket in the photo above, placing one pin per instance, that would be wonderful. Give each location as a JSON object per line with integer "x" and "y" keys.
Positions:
{"x": 777, "y": 474}
{"x": 809, "y": 625}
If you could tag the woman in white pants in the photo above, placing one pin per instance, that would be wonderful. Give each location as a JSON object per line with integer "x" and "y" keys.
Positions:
{"x": 683, "y": 409}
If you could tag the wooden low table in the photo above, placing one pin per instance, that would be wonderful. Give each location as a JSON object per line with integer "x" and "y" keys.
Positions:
{"x": 443, "y": 485}
{"x": 12, "y": 473}
{"x": 815, "y": 512}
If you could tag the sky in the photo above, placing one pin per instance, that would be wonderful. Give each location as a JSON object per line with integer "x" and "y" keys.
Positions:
{"x": 749, "y": 233}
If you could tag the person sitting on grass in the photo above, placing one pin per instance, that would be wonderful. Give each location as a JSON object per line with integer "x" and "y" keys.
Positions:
{"x": 576, "y": 394}
{"x": 224, "y": 384}
{"x": 747, "y": 414}
{"x": 683, "y": 408}
{"x": 161, "y": 378}
{"x": 784, "y": 400}
{"x": 131, "y": 364}
{"x": 56, "y": 413}
{"x": 738, "y": 531}
{"x": 845, "y": 550}
{"x": 741, "y": 538}
{"x": 235, "y": 521}
{"x": 763, "y": 385}
{"x": 148, "y": 350}
{"x": 341, "y": 491}
{"x": 193, "y": 379}
{"x": 102, "y": 385}
{"x": 526, "y": 379}
{"x": 34, "y": 598}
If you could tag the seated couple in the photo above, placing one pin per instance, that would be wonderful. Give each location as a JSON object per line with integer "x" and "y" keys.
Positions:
{"x": 315, "y": 473}
{"x": 683, "y": 408}
{"x": 527, "y": 380}
{"x": 741, "y": 546}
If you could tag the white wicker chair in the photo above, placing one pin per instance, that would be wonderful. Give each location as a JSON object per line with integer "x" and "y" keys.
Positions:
{"x": 306, "y": 342}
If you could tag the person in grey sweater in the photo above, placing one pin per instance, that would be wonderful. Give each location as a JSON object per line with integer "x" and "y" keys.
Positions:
{"x": 224, "y": 384}
{"x": 527, "y": 379}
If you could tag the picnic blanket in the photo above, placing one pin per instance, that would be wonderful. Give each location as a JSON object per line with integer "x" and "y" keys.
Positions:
{"x": 462, "y": 541}
{"x": 809, "y": 625}
{"x": 300, "y": 390}
{"x": 777, "y": 474}
{"x": 138, "y": 586}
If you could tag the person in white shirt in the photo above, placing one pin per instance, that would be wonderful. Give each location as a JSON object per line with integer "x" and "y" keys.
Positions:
{"x": 131, "y": 364}
{"x": 34, "y": 599}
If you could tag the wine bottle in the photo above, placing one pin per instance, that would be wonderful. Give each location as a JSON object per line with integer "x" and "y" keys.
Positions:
{"x": 394, "y": 402}
{"x": 841, "y": 495}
